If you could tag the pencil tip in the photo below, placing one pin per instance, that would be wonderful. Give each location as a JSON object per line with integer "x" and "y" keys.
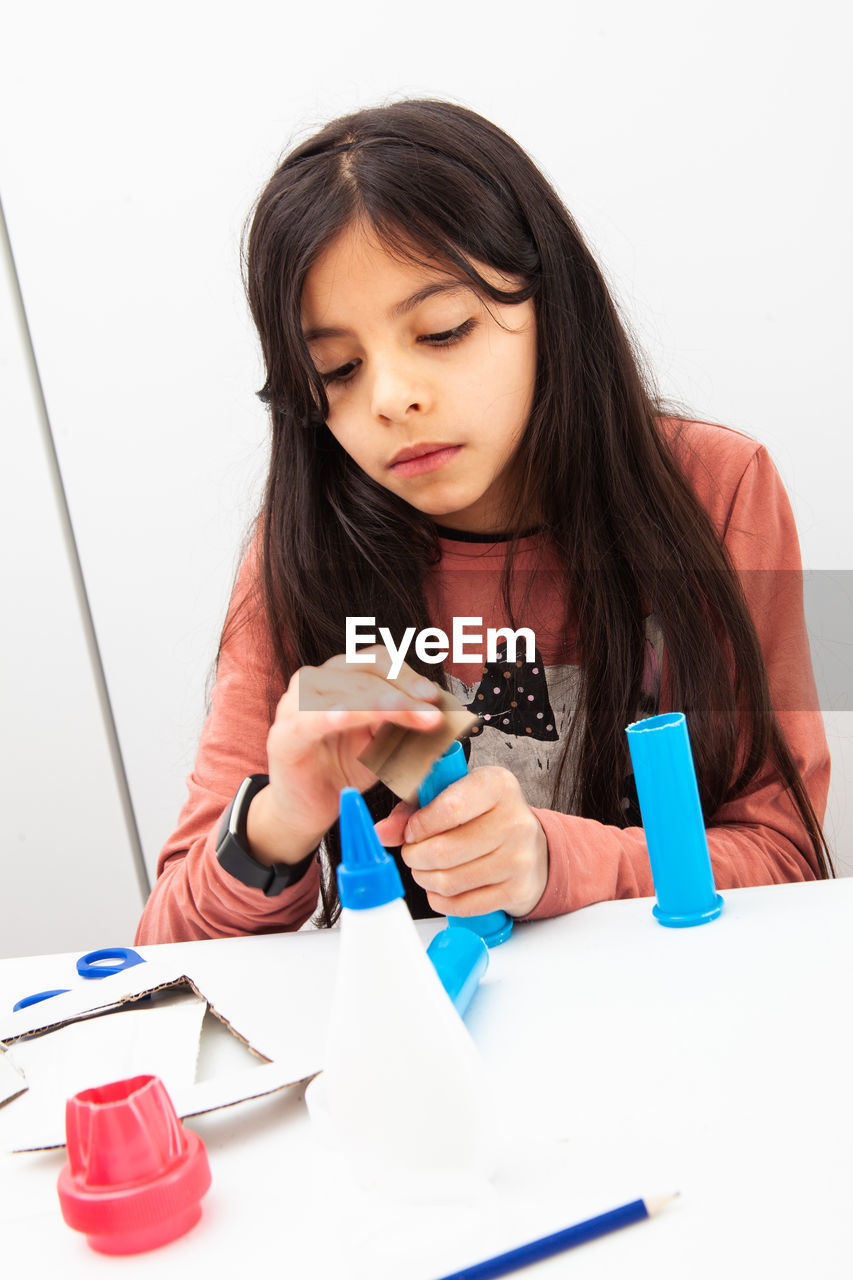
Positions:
{"x": 654, "y": 1204}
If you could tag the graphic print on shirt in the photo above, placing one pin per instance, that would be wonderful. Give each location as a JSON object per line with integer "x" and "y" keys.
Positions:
{"x": 527, "y": 709}
{"x": 512, "y": 697}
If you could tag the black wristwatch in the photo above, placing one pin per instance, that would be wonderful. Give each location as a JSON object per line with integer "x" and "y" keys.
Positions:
{"x": 231, "y": 846}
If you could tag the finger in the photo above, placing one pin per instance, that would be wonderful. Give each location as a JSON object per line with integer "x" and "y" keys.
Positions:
{"x": 454, "y": 807}
{"x": 390, "y": 829}
{"x": 413, "y": 716}
{"x": 311, "y": 691}
{"x": 294, "y": 734}
{"x": 406, "y": 678}
{"x": 469, "y": 798}
{"x": 454, "y": 848}
{"x": 476, "y": 902}
{"x": 377, "y": 662}
{"x": 466, "y": 877}
{"x": 373, "y": 658}
{"x": 358, "y": 691}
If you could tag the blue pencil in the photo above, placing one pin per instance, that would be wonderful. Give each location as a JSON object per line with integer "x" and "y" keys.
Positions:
{"x": 536, "y": 1250}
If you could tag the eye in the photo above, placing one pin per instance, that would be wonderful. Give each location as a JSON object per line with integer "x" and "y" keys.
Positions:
{"x": 449, "y": 336}
{"x": 444, "y": 339}
{"x": 343, "y": 374}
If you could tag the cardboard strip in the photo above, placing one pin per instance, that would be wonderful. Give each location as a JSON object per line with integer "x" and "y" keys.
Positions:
{"x": 401, "y": 758}
{"x": 12, "y": 1081}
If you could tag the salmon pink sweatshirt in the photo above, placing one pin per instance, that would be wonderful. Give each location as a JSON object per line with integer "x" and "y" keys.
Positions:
{"x": 526, "y": 705}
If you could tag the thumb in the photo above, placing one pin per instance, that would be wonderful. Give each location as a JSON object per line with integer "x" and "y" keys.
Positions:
{"x": 390, "y": 830}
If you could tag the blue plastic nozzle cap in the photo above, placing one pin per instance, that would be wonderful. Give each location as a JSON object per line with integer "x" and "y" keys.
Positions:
{"x": 367, "y": 876}
{"x": 495, "y": 926}
{"x": 673, "y": 822}
{"x": 460, "y": 958}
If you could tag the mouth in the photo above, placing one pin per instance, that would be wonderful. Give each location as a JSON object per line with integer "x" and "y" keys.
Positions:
{"x": 418, "y": 451}
{"x": 422, "y": 457}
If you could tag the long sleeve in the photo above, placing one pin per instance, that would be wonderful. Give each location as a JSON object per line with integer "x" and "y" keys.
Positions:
{"x": 759, "y": 838}
{"x": 193, "y": 897}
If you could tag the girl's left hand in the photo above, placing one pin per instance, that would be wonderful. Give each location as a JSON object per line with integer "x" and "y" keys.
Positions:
{"x": 477, "y": 847}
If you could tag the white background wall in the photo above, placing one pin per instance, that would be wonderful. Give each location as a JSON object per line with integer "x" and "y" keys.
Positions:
{"x": 704, "y": 149}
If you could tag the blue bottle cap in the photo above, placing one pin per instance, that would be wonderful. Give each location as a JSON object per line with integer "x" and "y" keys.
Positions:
{"x": 673, "y": 822}
{"x": 460, "y": 958}
{"x": 367, "y": 876}
{"x": 494, "y": 927}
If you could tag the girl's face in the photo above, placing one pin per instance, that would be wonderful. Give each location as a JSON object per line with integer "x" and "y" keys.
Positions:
{"x": 429, "y": 390}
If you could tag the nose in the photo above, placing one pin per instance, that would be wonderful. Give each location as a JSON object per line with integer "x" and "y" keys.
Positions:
{"x": 397, "y": 391}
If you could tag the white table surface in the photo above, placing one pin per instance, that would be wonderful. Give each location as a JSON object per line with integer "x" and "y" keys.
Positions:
{"x": 631, "y": 1059}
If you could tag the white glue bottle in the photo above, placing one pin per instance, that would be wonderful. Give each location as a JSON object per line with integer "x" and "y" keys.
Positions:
{"x": 403, "y": 1094}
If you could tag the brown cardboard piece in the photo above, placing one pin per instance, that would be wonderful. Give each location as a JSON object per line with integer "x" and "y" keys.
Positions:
{"x": 401, "y": 758}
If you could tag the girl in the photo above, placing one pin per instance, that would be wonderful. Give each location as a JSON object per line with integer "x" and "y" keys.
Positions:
{"x": 461, "y": 429}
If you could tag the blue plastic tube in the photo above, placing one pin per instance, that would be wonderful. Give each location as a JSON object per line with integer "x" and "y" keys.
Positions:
{"x": 672, "y": 821}
{"x": 495, "y": 926}
{"x": 460, "y": 958}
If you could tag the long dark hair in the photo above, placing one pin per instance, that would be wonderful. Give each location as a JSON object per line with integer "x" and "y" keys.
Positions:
{"x": 437, "y": 182}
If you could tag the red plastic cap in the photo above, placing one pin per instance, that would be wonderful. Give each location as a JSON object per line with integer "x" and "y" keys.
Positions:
{"x": 135, "y": 1176}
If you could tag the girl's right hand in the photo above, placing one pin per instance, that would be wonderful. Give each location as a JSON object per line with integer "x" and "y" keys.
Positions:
{"x": 312, "y": 754}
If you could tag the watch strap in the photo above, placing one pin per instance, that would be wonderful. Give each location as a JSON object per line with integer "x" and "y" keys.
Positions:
{"x": 234, "y": 857}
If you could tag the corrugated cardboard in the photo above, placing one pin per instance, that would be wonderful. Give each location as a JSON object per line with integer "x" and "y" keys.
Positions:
{"x": 78, "y": 1036}
{"x": 11, "y": 1081}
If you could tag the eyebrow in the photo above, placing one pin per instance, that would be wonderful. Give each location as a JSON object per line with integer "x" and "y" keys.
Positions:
{"x": 399, "y": 309}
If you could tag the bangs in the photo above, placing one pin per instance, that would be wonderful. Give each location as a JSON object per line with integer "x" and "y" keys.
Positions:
{"x": 431, "y": 248}
{"x": 423, "y": 207}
